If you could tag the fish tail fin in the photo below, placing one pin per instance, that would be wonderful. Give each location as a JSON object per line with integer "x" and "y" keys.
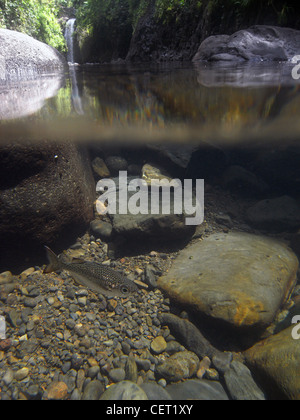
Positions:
{"x": 54, "y": 263}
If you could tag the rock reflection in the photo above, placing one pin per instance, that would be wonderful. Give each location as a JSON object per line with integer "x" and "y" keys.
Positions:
{"x": 24, "y": 98}
{"x": 245, "y": 75}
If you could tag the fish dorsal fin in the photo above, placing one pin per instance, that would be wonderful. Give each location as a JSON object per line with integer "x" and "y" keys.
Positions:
{"x": 78, "y": 261}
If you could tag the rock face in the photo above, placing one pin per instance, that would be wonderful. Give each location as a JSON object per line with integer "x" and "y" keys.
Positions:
{"x": 276, "y": 361}
{"x": 258, "y": 43}
{"x": 47, "y": 193}
{"x": 238, "y": 278}
{"x": 23, "y": 57}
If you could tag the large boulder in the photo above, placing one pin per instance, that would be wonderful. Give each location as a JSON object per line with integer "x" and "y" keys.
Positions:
{"x": 276, "y": 362}
{"x": 236, "y": 279}
{"x": 47, "y": 193}
{"x": 258, "y": 43}
{"x": 23, "y": 57}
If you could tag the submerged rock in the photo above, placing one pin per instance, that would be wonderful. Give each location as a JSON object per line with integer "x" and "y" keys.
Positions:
{"x": 149, "y": 223}
{"x": 276, "y": 362}
{"x": 241, "y": 385}
{"x": 236, "y": 278}
{"x": 189, "y": 335}
{"x": 47, "y": 192}
{"x": 258, "y": 43}
{"x": 282, "y": 213}
{"x": 182, "y": 365}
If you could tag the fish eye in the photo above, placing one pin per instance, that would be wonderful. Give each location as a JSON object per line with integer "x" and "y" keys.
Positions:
{"x": 124, "y": 289}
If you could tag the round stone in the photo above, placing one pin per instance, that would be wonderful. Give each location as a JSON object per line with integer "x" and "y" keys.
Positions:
{"x": 238, "y": 278}
{"x": 158, "y": 345}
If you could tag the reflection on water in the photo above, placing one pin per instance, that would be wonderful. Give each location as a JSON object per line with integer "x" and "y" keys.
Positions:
{"x": 21, "y": 99}
{"x": 211, "y": 102}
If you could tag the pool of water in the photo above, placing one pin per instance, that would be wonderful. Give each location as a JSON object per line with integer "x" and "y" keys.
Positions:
{"x": 235, "y": 126}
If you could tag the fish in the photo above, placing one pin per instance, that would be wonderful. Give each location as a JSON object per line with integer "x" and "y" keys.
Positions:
{"x": 94, "y": 276}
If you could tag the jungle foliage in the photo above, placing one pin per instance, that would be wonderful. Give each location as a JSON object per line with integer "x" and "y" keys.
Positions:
{"x": 37, "y": 18}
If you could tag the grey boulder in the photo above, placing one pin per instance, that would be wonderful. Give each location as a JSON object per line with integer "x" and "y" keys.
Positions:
{"x": 258, "y": 43}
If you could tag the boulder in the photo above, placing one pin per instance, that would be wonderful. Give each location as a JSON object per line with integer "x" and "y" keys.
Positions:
{"x": 276, "y": 362}
{"x": 47, "y": 196}
{"x": 277, "y": 214}
{"x": 236, "y": 279}
{"x": 23, "y": 57}
{"x": 258, "y": 43}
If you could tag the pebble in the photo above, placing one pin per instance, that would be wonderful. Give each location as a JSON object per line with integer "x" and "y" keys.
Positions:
{"x": 82, "y": 301}
{"x": 131, "y": 369}
{"x": 30, "y": 302}
{"x": 21, "y": 374}
{"x": 27, "y": 273}
{"x": 76, "y": 342}
{"x": 57, "y": 391}
{"x": 8, "y": 377}
{"x": 102, "y": 230}
{"x": 6, "y": 278}
{"x": 158, "y": 345}
{"x": 182, "y": 365}
{"x": 117, "y": 375}
{"x": 203, "y": 367}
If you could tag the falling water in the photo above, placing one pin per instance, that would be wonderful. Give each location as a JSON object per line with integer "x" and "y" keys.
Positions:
{"x": 69, "y": 36}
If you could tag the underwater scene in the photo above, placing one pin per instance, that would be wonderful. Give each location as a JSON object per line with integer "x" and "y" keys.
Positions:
{"x": 150, "y": 224}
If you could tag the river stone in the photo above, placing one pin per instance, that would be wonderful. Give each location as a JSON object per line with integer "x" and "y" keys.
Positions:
{"x": 100, "y": 168}
{"x": 197, "y": 389}
{"x": 57, "y": 391}
{"x": 158, "y": 345}
{"x": 238, "y": 278}
{"x": 258, "y": 43}
{"x": 189, "y": 335}
{"x": 23, "y": 57}
{"x": 182, "y": 365}
{"x": 276, "y": 362}
{"x": 241, "y": 385}
{"x": 124, "y": 391}
{"x": 101, "y": 229}
{"x": 165, "y": 227}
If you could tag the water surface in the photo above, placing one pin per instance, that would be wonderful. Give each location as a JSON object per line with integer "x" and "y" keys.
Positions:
{"x": 244, "y": 103}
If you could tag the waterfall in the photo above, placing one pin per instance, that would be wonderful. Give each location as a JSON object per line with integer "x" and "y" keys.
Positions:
{"x": 69, "y": 36}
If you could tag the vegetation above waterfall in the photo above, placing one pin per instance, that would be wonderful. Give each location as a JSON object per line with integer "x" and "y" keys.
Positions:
{"x": 36, "y": 18}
